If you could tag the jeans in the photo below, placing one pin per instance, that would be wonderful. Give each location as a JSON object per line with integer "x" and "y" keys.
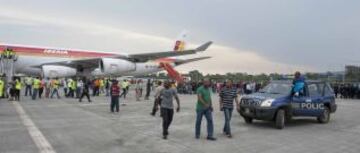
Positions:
{"x": 55, "y": 90}
{"x": 78, "y": 92}
{"x": 34, "y": 93}
{"x": 83, "y": 94}
{"x": 28, "y": 90}
{"x": 70, "y": 93}
{"x": 96, "y": 91}
{"x": 147, "y": 93}
{"x": 210, "y": 125}
{"x": 107, "y": 92}
{"x": 47, "y": 92}
{"x": 41, "y": 90}
{"x": 65, "y": 91}
{"x": 227, "y": 114}
{"x": 114, "y": 103}
{"x": 17, "y": 94}
{"x": 125, "y": 90}
{"x": 167, "y": 116}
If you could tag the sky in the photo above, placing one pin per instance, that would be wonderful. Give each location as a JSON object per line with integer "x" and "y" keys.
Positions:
{"x": 252, "y": 36}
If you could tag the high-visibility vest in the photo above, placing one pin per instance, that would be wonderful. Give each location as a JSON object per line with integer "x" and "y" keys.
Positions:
{"x": 1, "y": 88}
{"x": 101, "y": 83}
{"x": 28, "y": 81}
{"x": 55, "y": 84}
{"x": 17, "y": 85}
{"x": 125, "y": 84}
{"x": 73, "y": 85}
{"x": 69, "y": 84}
{"x": 37, "y": 83}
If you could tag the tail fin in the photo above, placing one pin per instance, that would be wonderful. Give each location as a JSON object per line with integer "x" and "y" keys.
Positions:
{"x": 180, "y": 41}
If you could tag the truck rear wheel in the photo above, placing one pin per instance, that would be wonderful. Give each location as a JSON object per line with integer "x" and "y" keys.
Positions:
{"x": 248, "y": 120}
{"x": 280, "y": 119}
{"x": 325, "y": 116}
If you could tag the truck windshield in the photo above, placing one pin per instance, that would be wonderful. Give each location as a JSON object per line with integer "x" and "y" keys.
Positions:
{"x": 277, "y": 88}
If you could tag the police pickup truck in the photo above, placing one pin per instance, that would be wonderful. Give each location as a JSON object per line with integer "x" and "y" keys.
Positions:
{"x": 275, "y": 102}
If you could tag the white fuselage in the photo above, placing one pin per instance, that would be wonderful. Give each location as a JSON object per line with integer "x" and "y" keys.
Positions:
{"x": 24, "y": 64}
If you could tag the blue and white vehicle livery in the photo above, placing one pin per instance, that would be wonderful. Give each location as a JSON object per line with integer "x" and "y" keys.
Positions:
{"x": 275, "y": 102}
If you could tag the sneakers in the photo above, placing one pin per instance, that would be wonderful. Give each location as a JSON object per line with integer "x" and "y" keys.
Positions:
{"x": 229, "y": 136}
{"x": 208, "y": 138}
{"x": 211, "y": 138}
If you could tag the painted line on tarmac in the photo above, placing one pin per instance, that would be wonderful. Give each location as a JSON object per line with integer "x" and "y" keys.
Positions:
{"x": 42, "y": 144}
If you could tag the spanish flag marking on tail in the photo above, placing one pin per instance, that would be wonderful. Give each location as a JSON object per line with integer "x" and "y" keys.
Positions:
{"x": 180, "y": 41}
{"x": 179, "y": 45}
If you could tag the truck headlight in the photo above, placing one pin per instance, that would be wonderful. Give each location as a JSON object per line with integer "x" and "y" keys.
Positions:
{"x": 267, "y": 103}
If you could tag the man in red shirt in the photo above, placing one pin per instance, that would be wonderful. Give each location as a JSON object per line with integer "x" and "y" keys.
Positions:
{"x": 115, "y": 93}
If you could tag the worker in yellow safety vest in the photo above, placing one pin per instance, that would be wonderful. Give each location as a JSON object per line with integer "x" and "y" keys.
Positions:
{"x": 55, "y": 88}
{"x": 102, "y": 86}
{"x": 2, "y": 87}
{"x": 8, "y": 53}
{"x": 125, "y": 87}
{"x": 36, "y": 86}
{"x": 73, "y": 87}
{"x": 18, "y": 87}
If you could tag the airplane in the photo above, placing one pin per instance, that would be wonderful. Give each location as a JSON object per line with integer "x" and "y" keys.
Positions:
{"x": 59, "y": 63}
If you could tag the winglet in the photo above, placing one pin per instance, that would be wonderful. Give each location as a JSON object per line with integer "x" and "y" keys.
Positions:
{"x": 204, "y": 46}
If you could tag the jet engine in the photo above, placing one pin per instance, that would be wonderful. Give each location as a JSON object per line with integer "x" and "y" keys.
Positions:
{"x": 116, "y": 66}
{"x": 53, "y": 71}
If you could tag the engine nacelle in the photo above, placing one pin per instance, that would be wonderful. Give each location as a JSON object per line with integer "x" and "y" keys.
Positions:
{"x": 116, "y": 66}
{"x": 53, "y": 71}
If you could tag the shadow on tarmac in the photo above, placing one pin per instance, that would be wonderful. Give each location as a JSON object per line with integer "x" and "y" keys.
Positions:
{"x": 293, "y": 123}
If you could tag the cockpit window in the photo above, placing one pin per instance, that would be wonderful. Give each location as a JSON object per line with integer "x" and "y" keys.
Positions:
{"x": 277, "y": 88}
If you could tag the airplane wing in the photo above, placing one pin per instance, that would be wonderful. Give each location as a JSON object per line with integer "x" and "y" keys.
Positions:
{"x": 180, "y": 62}
{"x": 92, "y": 63}
{"x": 152, "y": 56}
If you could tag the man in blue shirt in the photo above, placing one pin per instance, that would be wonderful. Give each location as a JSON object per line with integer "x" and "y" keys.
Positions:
{"x": 298, "y": 84}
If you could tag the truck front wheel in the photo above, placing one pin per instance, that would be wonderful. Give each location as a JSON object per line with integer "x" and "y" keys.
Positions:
{"x": 248, "y": 120}
{"x": 325, "y": 116}
{"x": 280, "y": 119}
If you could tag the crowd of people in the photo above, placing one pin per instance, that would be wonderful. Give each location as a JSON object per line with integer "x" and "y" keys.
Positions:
{"x": 78, "y": 88}
{"x": 165, "y": 92}
{"x": 347, "y": 90}
{"x": 243, "y": 87}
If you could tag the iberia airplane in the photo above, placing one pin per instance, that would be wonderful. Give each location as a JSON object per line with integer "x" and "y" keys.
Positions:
{"x": 51, "y": 63}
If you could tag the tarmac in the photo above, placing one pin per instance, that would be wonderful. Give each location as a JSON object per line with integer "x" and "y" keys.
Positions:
{"x": 67, "y": 126}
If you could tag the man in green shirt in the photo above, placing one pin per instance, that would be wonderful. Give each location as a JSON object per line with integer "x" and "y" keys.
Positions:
{"x": 204, "y": 108}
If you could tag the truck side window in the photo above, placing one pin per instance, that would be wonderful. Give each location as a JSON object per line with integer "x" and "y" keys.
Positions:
{"x": 321, "y": 87}
{"x": 314, "y": 90}
{"x": 328, "y": 91}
